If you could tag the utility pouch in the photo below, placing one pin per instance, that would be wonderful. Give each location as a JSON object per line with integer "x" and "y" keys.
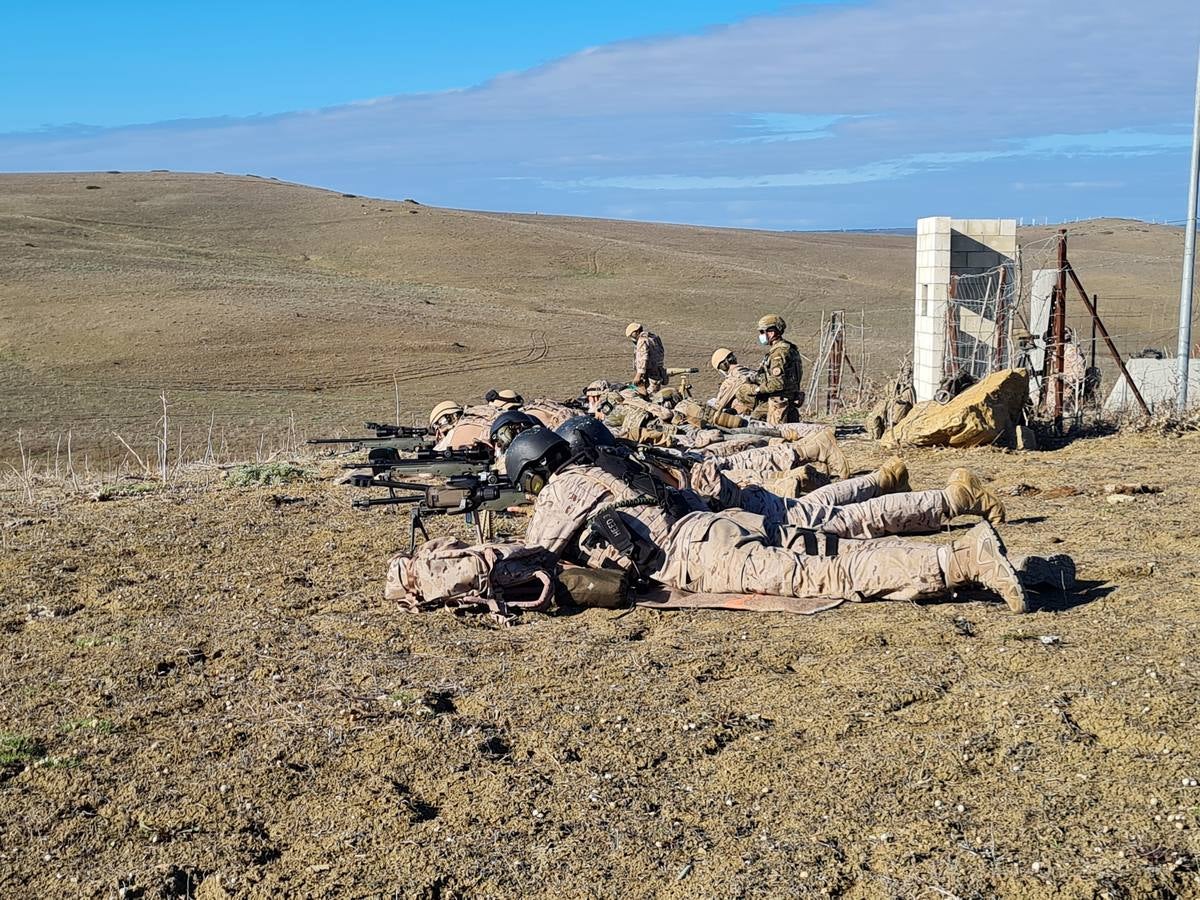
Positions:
{"x": 609, "y": 527}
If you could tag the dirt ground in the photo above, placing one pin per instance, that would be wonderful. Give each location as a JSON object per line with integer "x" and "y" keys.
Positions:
{"x": 205, "y": 695}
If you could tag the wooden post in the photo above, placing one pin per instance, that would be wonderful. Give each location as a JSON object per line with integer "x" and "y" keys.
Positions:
{"x": 1000, "y": 352}
{"x": 837, "y": 335}
{"x": 950, "y": 366}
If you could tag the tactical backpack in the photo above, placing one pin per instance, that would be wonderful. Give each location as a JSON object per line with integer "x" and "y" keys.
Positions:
{"x": 505, "y": 578}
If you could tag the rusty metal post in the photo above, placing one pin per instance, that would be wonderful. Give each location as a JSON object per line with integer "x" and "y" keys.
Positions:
{"x": 1112, "y": 348}
{"x": 1095, "y": 316}
{"x": 1060, "y": 329}
{"x": 836, "y": 354}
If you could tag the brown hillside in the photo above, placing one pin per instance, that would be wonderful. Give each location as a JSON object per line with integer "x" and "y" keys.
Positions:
{"x": 249, "y": 300}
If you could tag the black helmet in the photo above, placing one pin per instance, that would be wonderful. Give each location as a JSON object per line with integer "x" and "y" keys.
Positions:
{"x": 585, "y": 433}
{"x": 533, "y": 456}
{"x": 508, "y": 425}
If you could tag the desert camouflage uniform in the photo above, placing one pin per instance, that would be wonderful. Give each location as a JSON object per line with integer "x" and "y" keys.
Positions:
{"x": 737, "y": 552}
{"x": 851, "y": 508}
{"x": 649, "y": 361}
{"x": 778, "y": 394}
{"x": 723, "y": 552}
{"x": 473, "y": 427}
{"x": 550, "y": 413}
{"x": 727, "y": 392}
{"x": 573, "y": 496}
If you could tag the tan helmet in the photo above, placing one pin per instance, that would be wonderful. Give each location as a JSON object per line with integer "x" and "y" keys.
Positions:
{"x": 444, "y": 409}
{"x": 633, "y": 328}
{"x": 507, "y": 399}
{"x": 719, "y": 356}
{"x": 772, "y": 321}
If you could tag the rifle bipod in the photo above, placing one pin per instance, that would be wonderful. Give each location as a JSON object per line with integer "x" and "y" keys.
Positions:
{"x": 481, "y": 519}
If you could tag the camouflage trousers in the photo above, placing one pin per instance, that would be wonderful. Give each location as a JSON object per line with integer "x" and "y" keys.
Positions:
{"x": 778, "y": 468}
{"x": 850, "y": 509}
{"x": 737, "y": 552}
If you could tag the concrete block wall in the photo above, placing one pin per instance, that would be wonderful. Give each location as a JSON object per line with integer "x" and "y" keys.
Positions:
{"x": 948, "y": 247}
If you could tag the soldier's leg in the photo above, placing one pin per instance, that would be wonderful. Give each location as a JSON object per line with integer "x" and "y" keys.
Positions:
{"x": 911, "y": 513}
{"x": 732, "y": 445}
{"x": 775, "y": 458}
{"x": 889, "y": 478}
{"x": 731, "y": 553}
{"x": 726, "y": 556}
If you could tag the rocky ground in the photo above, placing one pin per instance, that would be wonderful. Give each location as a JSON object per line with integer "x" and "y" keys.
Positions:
{"x": 205, "y": 695}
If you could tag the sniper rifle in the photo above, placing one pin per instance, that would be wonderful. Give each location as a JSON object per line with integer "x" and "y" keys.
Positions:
{"x": 465, "y": 461}
{"x": 395, "y": 437}
{"x": 469, "y": 494}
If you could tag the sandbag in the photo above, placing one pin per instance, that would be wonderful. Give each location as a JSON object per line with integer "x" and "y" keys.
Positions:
{"x": 979, "y": 415}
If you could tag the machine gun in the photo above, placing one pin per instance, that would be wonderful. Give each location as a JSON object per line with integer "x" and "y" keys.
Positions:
{"x": 466, "y": 461}
{"x": 682, "y": 372}
{"x": 394, "y": 437}
{"x": 476, "y": 496}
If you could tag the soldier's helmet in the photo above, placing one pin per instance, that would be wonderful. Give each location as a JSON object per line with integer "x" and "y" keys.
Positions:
{"x": 772, "y": 321}
{"x": 633, "y": 328}
{"x": 534, "y": 456}
{"x": 508, "y": 425}
{"x": 585, "y": 433}
{"x": 721, "y": 356}
{"x": 506, "y": 399}
{"x": 447, "y": 409}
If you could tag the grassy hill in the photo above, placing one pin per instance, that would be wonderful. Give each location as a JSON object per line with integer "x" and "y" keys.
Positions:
{"x": 250, "y": 301}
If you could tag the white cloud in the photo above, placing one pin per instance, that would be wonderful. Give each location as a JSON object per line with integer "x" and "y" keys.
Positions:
{"x": 876, "y": 92}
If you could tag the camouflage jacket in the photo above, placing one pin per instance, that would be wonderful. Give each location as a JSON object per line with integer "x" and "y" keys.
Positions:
{"x": 781, "y": 372}
{"x": 574, "y": 495}
{"x": 727, "y": 391}
{"x": 650, "y": 359}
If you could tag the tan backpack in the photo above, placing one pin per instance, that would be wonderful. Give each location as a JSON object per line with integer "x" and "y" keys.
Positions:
{"x": 506, "y": 578}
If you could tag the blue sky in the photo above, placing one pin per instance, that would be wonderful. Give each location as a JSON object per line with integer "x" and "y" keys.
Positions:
{"x": 721, "y": 112}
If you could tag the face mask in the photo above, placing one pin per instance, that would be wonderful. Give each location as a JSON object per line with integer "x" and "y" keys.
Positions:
{"x": 762, "y": 339}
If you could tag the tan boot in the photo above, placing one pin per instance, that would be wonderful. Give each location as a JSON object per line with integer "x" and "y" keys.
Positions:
{"x": 979, "y": 559}
{"x": 968, "y": 497}
{"x": 1057, "y": 571}
{"x": 823, "y": 448}
{"x": 797, "y": 482}
{"x": 892, "y": 477}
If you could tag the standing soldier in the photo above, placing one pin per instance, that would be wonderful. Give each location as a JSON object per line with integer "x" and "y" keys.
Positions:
{"x": 649, "y": 358}
{"x": 776, "y": 395}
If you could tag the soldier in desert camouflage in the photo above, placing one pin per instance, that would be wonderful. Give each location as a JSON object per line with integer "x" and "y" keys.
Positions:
{"x": 776, "y": 394}
{"x": 734, "y": 378}
{"x": 612, "y": 515}
{"x": 649, "y": 358}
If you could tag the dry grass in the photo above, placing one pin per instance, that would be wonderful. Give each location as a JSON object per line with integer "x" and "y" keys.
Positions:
{"x": 255, "y": 305}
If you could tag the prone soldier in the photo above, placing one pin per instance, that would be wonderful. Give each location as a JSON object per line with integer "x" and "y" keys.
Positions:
{"x": 610, "y": 513}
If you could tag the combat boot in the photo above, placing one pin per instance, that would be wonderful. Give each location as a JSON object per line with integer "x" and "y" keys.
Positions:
{"x": 968, "y": 497}
{"x": 979, "y": 559}
{"x": 823, "y": 448}
{"x": 797, "y": 482}
{"x": 892, "y": 477}
{"x": 1057, "y": 571}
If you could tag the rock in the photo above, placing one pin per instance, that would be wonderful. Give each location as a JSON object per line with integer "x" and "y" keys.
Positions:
{"x": 1115, "y": 499}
